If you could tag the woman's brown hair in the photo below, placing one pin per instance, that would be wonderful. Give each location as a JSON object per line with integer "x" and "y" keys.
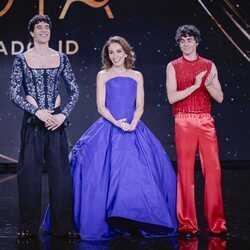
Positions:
{"x": 129, "y": 60}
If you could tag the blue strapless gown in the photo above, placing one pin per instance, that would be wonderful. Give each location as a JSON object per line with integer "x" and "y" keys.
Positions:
{"x": 121, "y": 175}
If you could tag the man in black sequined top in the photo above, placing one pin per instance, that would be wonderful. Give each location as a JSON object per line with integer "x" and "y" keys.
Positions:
{"x": 43, "y": 139}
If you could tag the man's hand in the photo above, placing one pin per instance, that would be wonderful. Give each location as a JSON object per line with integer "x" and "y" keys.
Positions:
{"x": 60, "y": 118}
{"x": 210, "y": 78}
{"x": 46, "y": 116}
{"x": 198, "y": 79}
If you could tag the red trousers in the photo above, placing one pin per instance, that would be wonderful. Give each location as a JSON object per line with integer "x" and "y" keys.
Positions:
{"x": 192, "y": 132}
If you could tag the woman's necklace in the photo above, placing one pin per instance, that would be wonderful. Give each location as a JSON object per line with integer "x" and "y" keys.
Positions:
{"x": 119, "y": 70}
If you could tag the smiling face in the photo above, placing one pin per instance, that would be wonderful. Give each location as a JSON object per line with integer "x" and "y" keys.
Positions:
{"x": 41, "y": 33}
{"x": 117, "y": 54}
{"x": 188, "y": 45}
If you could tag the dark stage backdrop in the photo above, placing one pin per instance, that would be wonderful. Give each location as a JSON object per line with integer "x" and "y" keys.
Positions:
{"x": 80, "y": 29}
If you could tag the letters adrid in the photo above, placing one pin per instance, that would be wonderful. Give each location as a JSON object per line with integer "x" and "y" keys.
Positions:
{"x": 69, "y": 47}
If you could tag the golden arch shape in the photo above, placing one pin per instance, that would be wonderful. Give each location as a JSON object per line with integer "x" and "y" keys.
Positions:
{"x": 91, "y": 3}
{"x": 6, "y": 8}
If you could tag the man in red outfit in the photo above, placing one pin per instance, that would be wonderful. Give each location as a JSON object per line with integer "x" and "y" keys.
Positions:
{"x": 191, "y": 82}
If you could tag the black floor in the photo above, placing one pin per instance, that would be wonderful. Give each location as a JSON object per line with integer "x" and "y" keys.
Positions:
{"x": 236, "y": 194}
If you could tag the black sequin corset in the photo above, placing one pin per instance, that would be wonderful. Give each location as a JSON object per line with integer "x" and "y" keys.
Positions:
{"x": 42, "y": 84}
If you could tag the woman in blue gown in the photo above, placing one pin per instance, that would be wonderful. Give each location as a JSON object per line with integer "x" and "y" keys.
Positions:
{"x": 123, "y": 180}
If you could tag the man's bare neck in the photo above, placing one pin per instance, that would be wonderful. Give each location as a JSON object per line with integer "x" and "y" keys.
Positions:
{"x": 191, "y": 57}
{"x": 44, "y": 57}
{"x": 41, "y": 50}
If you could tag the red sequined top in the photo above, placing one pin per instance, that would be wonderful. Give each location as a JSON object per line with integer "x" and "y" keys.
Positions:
{"x": 199, "y": 101}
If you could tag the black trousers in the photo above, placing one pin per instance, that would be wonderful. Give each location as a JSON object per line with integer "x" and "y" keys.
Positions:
{"x": 39, "y": 146}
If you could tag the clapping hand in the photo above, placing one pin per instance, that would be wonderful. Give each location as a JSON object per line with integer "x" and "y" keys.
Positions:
{"x": 210, "y": 78}
{"x": 198, "y": 79}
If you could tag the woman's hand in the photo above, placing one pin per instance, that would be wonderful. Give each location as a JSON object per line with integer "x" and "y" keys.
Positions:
{"x": 122, "y": 124}
{"x": 133, "y": 125}
{"x": 125, "y": 126}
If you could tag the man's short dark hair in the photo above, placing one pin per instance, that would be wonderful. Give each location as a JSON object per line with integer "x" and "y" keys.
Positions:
{"x": 187, "y": 30}
{"x": 37, "y": 19}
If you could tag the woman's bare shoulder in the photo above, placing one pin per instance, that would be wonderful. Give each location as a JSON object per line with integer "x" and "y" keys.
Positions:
{"x": 135, "y": 74}
{"x": 103, "y": 75}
